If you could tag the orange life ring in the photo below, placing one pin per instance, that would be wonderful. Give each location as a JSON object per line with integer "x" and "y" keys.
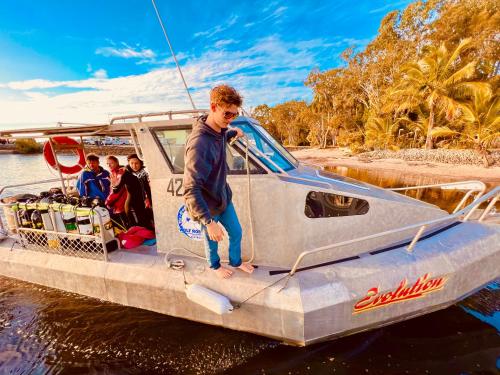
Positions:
{"x": 49, "y": 155}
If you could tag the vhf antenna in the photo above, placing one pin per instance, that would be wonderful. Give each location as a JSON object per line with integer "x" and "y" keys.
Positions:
{"x": 173, "y": 54}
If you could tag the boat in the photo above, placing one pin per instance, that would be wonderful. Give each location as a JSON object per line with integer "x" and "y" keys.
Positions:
{"x": 334, "y": 256}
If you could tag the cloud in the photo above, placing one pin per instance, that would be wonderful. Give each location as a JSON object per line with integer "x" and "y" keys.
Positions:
{"x": 126, "y": 52}
{"x": 101, "y": 74}
{"x": 217, "y": 29}
{"x": 269, "y": 71}
{"x": 224, "y": 42}
{"x": 278, "y": 12}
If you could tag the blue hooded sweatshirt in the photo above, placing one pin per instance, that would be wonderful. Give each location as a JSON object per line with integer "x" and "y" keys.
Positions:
{"x": 94, "y": 185}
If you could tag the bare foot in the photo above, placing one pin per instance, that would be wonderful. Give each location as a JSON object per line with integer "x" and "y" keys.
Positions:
{"x": 223, "y": 272}
{"x": 246, "y": 267}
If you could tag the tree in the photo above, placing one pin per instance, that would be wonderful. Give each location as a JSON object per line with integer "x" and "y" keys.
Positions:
{"x": 439, "y": 80}
{"x": 481, "y": 124}
{"x": 289, "y": 121}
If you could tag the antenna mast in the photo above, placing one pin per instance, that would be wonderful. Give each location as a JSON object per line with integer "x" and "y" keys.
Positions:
{"x": 173, "y": 54}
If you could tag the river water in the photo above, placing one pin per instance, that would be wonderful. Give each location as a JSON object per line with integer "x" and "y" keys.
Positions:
{"x": 46, "y": 331}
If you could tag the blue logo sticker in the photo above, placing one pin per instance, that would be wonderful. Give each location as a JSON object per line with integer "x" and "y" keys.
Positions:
{"x": 187, "y": 226}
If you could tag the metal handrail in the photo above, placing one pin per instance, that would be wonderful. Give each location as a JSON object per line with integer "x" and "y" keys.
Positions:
{"x": 257, "y": 152}
{"x": 2, "y": 188}
{"x": 140, "y": 116}
{"x": 493, "y": 194}
{"x": 459, "y": 185}
{"x": 471, "y": 187}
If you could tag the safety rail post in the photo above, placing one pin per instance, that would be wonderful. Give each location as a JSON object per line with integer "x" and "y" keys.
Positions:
{"x": 58, "y": 166}
{"x": 489, "y": 207}
{"x": 135, "y": 141}
{"x": 463, "y": 200}
{"x": 101, "y": 232}
{"x": 416, "y": 238}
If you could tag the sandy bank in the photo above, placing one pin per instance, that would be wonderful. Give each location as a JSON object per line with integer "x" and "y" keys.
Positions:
{"x": 340, "y": 157}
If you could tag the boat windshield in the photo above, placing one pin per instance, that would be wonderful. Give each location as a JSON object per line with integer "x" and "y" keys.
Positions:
{"x": 266, "y": 144}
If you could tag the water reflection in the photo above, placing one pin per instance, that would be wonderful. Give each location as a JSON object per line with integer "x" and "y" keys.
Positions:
{"x": 445, "y": 199}
{"x": 47, "y": 331}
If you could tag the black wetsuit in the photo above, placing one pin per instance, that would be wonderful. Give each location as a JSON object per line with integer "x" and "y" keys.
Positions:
{"x": 136, "y": 214}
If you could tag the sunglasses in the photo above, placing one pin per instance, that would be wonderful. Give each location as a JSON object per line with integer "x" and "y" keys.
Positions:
{"x": 228, "y": 115}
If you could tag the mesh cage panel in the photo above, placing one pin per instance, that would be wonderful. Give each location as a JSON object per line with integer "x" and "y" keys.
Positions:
{"x": 68, "y": 244}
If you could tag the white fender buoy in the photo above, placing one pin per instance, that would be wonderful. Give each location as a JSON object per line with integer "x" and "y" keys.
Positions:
{"x": 209, "y": 299}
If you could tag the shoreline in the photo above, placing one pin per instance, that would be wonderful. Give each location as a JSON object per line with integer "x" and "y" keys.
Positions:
{"x": 335, "y": 157}
{"x": 338, "y": 157}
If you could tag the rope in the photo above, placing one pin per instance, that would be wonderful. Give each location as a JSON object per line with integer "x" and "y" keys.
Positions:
{"x": 173, "y": 54}
{"x": 238, "y": 305}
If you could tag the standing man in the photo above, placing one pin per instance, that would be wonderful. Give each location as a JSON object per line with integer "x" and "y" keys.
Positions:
{"x": 206, "y": 192}
{"x": 94, "y": 180}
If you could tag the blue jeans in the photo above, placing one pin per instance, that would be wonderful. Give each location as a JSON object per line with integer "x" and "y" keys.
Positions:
{"x": 230, "y": 221}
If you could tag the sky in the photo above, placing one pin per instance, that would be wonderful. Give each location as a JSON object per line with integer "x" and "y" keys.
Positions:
{"x": 89, "y": 60}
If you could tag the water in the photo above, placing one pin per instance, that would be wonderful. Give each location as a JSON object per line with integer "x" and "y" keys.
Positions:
{"x": 46, "y": 331}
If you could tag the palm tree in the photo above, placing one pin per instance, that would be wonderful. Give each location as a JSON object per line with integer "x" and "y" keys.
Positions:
{"x": 379, "y": 131}
{"x": 481, "y": 123}
{"x": 438, "y": 81}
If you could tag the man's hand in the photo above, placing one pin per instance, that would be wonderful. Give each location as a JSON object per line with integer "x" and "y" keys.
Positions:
{"x": 239, "y": 132}
{"x": 215, "y": 232}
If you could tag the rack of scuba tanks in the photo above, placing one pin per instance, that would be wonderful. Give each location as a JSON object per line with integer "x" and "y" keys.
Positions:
{"x": 52, "y": 222}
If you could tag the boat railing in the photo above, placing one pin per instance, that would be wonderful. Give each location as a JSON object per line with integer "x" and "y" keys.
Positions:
{"x": 464, "y": 215}
{"x": 140, "y": 116}
{"x": 57, "y": 240}
{"x": 38, "y": 182}
{"x": 470, "y": 187}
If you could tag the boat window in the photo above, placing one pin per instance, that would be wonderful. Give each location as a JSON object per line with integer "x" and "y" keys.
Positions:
{"x": 320, "y": 204}
{"x": 266, "y": 144}
{"x": 173, "y": 145}
{"x": 235, "y": 158}
{"x": 276, "y": 144}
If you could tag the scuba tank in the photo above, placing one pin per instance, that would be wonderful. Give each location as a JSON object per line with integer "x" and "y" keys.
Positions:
{"x": 69, "y": 215}
{"x": 36, "y": 219}
{"x": 57, "y": 219}
{"x": 84, "y": 218}
{"x": 109, "y": 233}
{"x": 25, "y": 213}
{"x": 24, "y": 218}
{"x": 37, "y": 223}
{"x": 69, "y": 218}
{"x": 46, "y": 212}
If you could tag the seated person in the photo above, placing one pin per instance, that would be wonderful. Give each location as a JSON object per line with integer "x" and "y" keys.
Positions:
{"x": 117, "y": 202}
{"x": 93, "y": 182}
{"x": 136, "y": 166}
{"x": 137, "y": 213}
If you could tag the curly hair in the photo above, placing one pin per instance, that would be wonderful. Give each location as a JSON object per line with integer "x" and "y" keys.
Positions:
{"x": 225, "y": 95}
